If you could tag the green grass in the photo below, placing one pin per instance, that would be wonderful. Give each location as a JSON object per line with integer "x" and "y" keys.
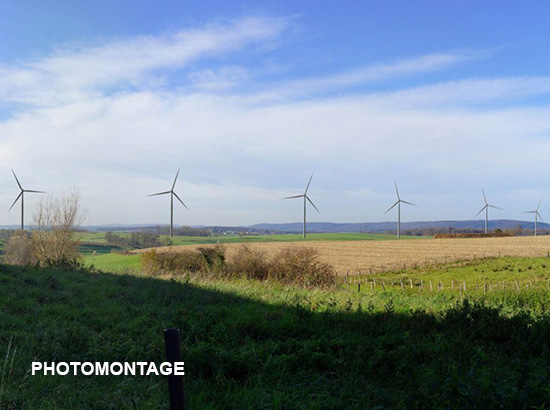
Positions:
{"x": 114, "y": 262}
{"x": 483, "y": 271}
{"x": 96, "y": 237}
{"x": 120, "y": 262}
{"x": 192, "y": 240}
{"x": 250, "y": 345}
{"x": 100, "y": 249}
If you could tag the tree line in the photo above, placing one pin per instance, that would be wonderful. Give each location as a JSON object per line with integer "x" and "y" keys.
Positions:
{"x": 137, "y": 240}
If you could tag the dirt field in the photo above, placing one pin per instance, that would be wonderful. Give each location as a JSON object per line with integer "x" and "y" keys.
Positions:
{"x": 380, "y": 256}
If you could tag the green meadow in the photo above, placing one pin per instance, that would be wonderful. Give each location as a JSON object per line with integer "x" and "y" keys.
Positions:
{"x": 108, "y": 257}
{"x": 250, "y": 344}
{"x": 99, "y": 238}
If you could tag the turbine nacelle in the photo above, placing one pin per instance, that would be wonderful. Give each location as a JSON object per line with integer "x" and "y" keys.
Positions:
{"x": 487, "y": 204}
{"x": 304, "y": 195}
{"x": 537, "y": 215}
{"x": 486, "y": 209}
{"x": 398, "y": 204}
{"x": 21, "y": 195}
{"x": 399, "y": 200}
{"x": 172, "y": 195}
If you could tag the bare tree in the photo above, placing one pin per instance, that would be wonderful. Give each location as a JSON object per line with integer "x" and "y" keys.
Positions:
{"x": 54, "y": 238}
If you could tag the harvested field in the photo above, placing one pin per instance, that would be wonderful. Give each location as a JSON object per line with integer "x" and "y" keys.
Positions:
{"x": 382, "y": 256}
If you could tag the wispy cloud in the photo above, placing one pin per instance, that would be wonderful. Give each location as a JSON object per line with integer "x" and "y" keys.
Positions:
{"x": 374, "y": 73}
{"x": 74, "y": 73}
{"x": 115, "y": 112}
{"x": 467, "y": 92}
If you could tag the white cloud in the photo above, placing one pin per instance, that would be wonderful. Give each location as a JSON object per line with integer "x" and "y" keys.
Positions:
{"x": 369, "y": 74}
{"x": 73, "y": 73}
{"x": 240, "y": 152}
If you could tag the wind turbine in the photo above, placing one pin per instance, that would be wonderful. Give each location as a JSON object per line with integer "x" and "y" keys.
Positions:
{"x": 398, "y": 203}
{"x": 172, "y": 195}
{"x": 21, "y": 195}
{"x": 304, "y": 195}
{"x": 486, "y": 209}
{"x": 537, "y": 215}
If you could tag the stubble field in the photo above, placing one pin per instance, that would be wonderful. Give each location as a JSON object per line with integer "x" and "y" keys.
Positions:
{"x": 362, "y": 257}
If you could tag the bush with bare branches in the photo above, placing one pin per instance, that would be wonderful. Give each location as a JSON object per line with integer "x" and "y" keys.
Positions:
{"x": 300, "y": 266}
{"x": 18, "y": 249}
{"x": 297, "y": 266}
{"x": 250, "y": 263}
{"x": 54, "y": 238}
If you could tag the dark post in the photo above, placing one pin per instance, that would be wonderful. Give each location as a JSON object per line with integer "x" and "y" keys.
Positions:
{"x": 173, "y": 354}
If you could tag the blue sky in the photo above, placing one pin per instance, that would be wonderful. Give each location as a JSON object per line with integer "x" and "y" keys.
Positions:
{"x": 249, "y": 99}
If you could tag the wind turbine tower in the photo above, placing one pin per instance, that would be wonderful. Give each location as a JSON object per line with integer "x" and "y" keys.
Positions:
{"x": 398, "y": 204}
{"x": 172, "y": 195}
{"x": 22, "y": 196}
{"x": 537, "y": 215}
{"x": 306, "y": 198}
{"x": 486, "y": 209}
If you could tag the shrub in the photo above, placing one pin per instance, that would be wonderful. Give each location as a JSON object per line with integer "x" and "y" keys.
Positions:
{"x": 19, "y": 249}
{"x": 213, "y": 258}
{"x": 175, "y": 263}
{"x": 249, "y": 263}
{"x": 299, "y": 266}
{"x": 56, "y": 220}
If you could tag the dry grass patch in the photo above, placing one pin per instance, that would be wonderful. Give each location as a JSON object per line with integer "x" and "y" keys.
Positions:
{"x": 383, "y": 256}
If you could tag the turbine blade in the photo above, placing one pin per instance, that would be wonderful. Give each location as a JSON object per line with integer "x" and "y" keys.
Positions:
{"x": 160, "y": 193}
{"x": 312, "y": 204}
{"x": 34, "y": 192}
{"x": 16, "y": 199}
{"x": 496, "y": 207}
{"x": 176, "y": 195}
{"x": 539, "y": 204}
{"x": 396, "y": 190}
{"x": 540, "y": 216}
{"x": 295, "y": 196}
{"x": 391, "y": 207}
{"x": 408, "y": 203}
{"x": 175, "y": 179}
{"x": 484, "y": 197}
{"x": 309, "y": 182}
{"x": 20, "y": 187}
{"x": 482, "y": 209}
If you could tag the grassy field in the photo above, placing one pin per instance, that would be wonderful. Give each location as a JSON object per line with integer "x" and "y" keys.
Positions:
{"x": 382, "y": 256}
{"x": 99, "y": 237}
{"x": 96, "y": 242}
{"x": 250, "y": 345}
{"x": 114, "y": 262}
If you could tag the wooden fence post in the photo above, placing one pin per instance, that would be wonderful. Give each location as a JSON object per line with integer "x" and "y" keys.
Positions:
{"x": 173, "y": 354}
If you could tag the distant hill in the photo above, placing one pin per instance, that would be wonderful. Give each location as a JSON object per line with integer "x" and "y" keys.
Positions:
{"x": 330, "y": 227}
{"x": 379, "y": 227}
